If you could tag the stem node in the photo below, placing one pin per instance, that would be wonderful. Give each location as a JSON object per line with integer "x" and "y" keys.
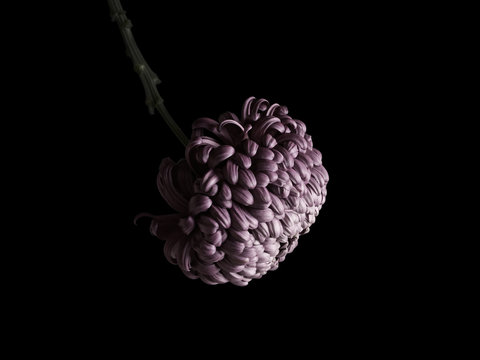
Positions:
{"x": 148, "y": 78}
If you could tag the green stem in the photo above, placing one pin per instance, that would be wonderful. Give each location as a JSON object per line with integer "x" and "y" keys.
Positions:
{"x": 149, "y": 79}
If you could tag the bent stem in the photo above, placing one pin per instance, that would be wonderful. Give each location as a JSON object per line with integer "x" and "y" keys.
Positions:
{"x": 148, "y": 78}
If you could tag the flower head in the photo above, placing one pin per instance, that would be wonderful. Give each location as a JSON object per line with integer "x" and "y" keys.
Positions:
{"x": 246, "y": 190}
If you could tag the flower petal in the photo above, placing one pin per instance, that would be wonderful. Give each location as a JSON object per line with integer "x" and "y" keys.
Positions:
{"x": 214, "y": 258}
{"x": 230, "y": 172}
{"x": 278, "y": 157}
{"x": 187, "y": 225}
{"x": 272, "y": 175}
{"x": 301, "y": 169}
{"x": 246, "y": 178}
{"x": 250, "y": 147}
{"x": 239, "y": 222}
{"x": 252, "y": 221}
{"x": 306, "y": 159}
{"x": 262, "y": 179}
{"x": 277, "y": 206}
{"x": 207, "y": 225}
{"x": 324, "y": 173}
{"x": 262, "y": 215}
{"x": 246, "y": 108}
{"x": 295, "y": 138}
{"x": 264, "y": 165}
{"x": 316, "y": 157}
{"x": 206, "y": 248}
{"x": 225, "y": 192}
{"x": 227, "y": 204}
{"x": 232, "y": 131}
{"x": 199, "y": 204}
{"x": 183, "y": 256}
{"x": 259, "y": 105}
{"x": 233, "y": 246}
{"x": 294, "y": 176}
{"x": 229, "y": 267}
{"x": 318, "y": 176}
{"x": 269, "y": 141}
{"x": 228, "y": 116}
{"x": 207, "y": 124}
{"x": 209, "y": 179}
{"x": 242, "y": 160}
{"x": 242, "y": 236}
{"x": 275, "y": 228}
{"x": 287, "y": 157}
{"x": 281, "y": 191}
{"x": 264, "y": 153}
{"x": 262, "y": 231}
{"x": 221, "y": 216}
{"x": 242, "y": 195}
{"x": 261, "y": 197}
{"x": 168, "y": 186}
{"x": 220, "y": 154}
{"x": 217, "y": 238}
{"x": 282, "y": 178}
{"x": 272, "y": 109}
{"x": 260, "y": 128}
{"x": 301, "y": 128}
{"x": 197, "y": 151}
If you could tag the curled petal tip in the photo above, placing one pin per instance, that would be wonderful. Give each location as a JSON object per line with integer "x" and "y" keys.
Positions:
{"x": 142, "y": 215}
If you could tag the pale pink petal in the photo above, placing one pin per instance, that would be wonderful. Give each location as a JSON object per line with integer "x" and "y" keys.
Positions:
{"x": 199, "y": 204}
{"x": 277, "y": 156}
{"x": 246, "y": 178}
{"x": 242, "y": 236}
{"x": 275, "y": 228}
{"x": 207, "y": 225}
{"x": 301, "y": 169}
{"x": 295, "y": 138}
{"x": 269, "y": 141}
{"x": 264, "y": 153}
{"x": 260, "y": 129}
{"x": 209, "y": 179}
{"x": 250, "y": 147}
{"x": 233, "y": 246}
{"x": 306, "y": 159}
{"x": 277, "y": 205}
{"x": 262, "y": 198}
{"x": 242, "y": 195}
{"x": 230, "y": 172}
{"x": 242, "y": 160}
{"x": 229, "y": 267}
{"x": 262, "y": 179}
{"x": 228, "y": 116}
{"x": 220, "y": 154}
{"x": 262, "y": 215}
{"x": 316, "y": 157}
{"x": 264, "y": 165}
{"x": 251, "y": 220}
{"x": 246, "y": 108}
{"x": 221, "y": 216}
{"x": 287, "y": 157}
{"x": 272, "y": 175}
{"x": 239, "y": 222}
{"x": 225, "y": 191}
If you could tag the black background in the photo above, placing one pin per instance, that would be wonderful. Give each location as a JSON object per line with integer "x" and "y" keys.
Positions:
{"x": 340, "y": 71}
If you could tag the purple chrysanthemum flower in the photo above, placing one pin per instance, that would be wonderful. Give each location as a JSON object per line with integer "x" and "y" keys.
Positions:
{"x": 249, "y": 187}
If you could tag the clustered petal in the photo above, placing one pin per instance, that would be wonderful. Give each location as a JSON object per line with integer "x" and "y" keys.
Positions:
{"x": 247, "y": 189}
